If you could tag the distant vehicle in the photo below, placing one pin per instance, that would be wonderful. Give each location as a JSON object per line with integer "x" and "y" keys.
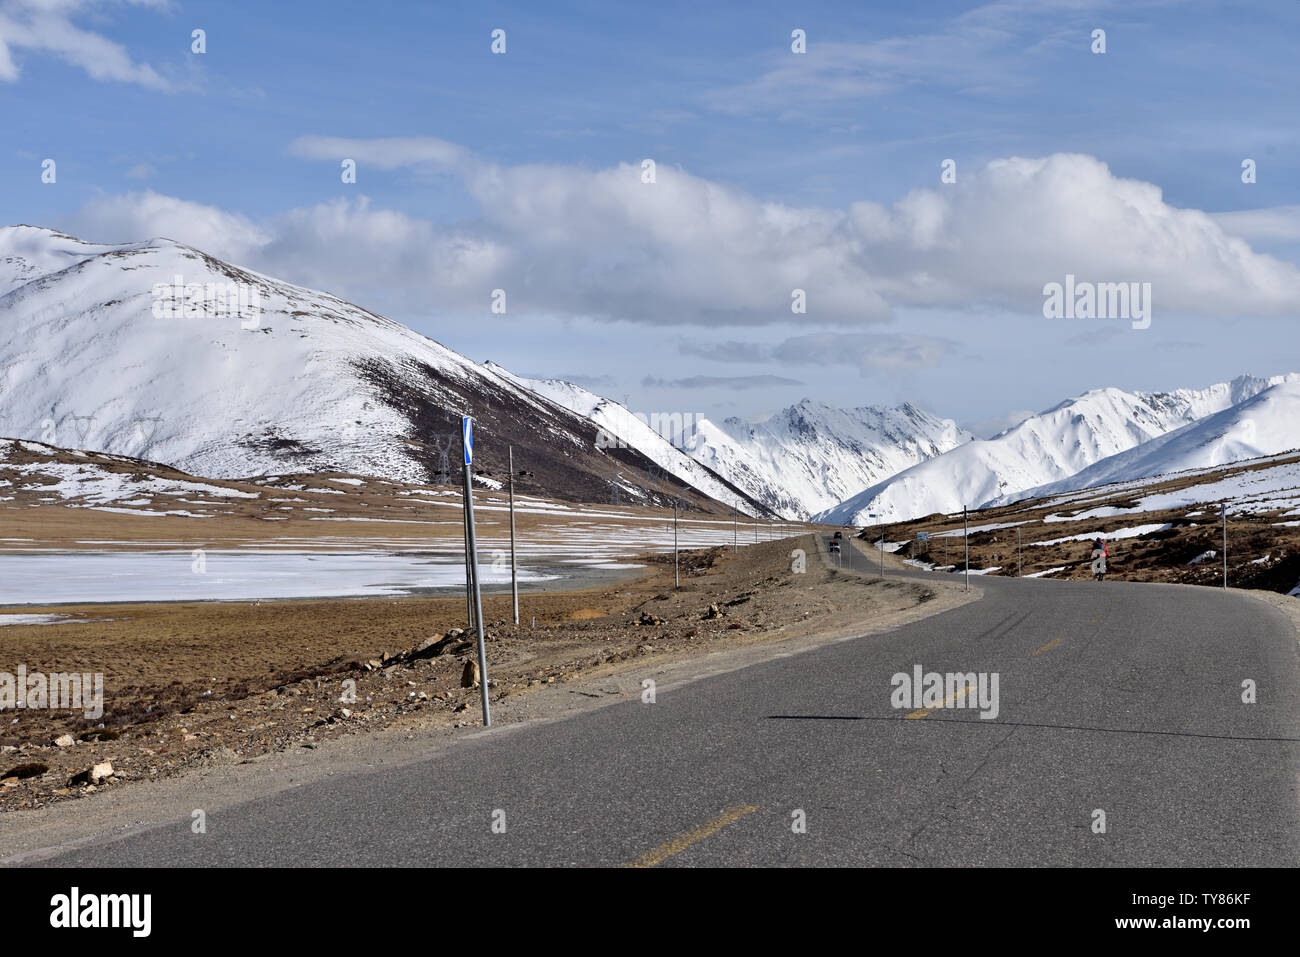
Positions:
{"x": 838, "y": 535}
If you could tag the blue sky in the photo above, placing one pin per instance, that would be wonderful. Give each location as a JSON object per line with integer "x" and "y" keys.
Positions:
{"x": 775, "y": 170}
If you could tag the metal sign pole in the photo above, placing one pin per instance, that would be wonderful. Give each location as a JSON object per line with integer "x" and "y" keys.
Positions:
{"x": 469, "y": 566}
{"x": 467, "y": 431}
{"x": 514, "y": 567}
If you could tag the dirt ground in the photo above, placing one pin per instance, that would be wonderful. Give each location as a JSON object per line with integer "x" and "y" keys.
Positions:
{"x": 189, "y": 685}
{"x": 1263, "y": 548}
{"x": 42, "y": 509}
{"x": 1260, "y": 555}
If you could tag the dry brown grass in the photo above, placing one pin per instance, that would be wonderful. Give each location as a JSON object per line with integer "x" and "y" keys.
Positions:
{"x": 1261, "y": 553}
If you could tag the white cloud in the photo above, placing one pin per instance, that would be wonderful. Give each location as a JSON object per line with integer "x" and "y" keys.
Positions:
{"x": 865, "y": 351}
{"x": 868, "y": 352}
{"x": 141, "y": 171}
{"x": 1277, "y": 224}
{"x": 1018, "y": 222}
{"x": 45, "y": 26}
{"x": 132, "y": 217}
{"x": 410, "y": 261}
{"x": 735, "y": 383}
{"x": 384, "y": 153}
{"x": 565, "y": 240}
{"x": 981, "y": 50}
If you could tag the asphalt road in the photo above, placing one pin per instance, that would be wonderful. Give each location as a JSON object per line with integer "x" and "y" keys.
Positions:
{"x": 1112, "y": 697}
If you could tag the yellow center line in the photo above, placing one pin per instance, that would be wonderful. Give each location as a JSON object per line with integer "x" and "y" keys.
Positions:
{"x": 1048, "y": 647}
{"x": 959, "y": 693}
{"x": 679, "y": 844}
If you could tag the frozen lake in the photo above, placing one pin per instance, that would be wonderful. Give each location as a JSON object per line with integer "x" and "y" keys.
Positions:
{"x": 44, "y": 578}
{"x": 582, "y": 553}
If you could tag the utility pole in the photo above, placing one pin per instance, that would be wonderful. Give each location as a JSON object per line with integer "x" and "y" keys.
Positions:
{"x": 514, "y": 568}
{"x": 735, "y": 530}
{"x": 880, "y": 528}
{"x": 965, "y": 534}
{"x": 467, "y": 438}
{"x": 677, "y": 580}
{"x": 1223, "y": 509}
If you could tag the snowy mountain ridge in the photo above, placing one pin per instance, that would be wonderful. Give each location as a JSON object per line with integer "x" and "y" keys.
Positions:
{"x": 811, "y": 455}
{"x": 1050, "y": 447}
{"x": 312, "y": 384}
{"x": 803, "y": 459}
{"x": 1263, "y": 424}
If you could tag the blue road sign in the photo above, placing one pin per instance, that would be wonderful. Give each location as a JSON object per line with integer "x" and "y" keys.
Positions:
{"x": 467, "y": 430}
{"x": 923, "y": 536}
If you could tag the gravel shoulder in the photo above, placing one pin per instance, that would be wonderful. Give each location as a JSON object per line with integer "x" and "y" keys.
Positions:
{"x": 1286, "y": 604}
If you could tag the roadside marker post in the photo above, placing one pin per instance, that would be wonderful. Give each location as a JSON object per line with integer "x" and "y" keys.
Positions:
{"x": 467, "y": 439}
{"x": 514, "y": 567}
{"x": 1017, "y": 551}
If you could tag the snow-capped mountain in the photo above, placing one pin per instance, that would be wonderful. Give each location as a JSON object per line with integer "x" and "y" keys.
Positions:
{"x": 664, "y": 439}
{"x": 811, "y": 456}
{"x": 798, "y": 462}
{"x": 1266, "y": 423}
{"x": 156, "y": 350}
{"x": 1043, "y": 449}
